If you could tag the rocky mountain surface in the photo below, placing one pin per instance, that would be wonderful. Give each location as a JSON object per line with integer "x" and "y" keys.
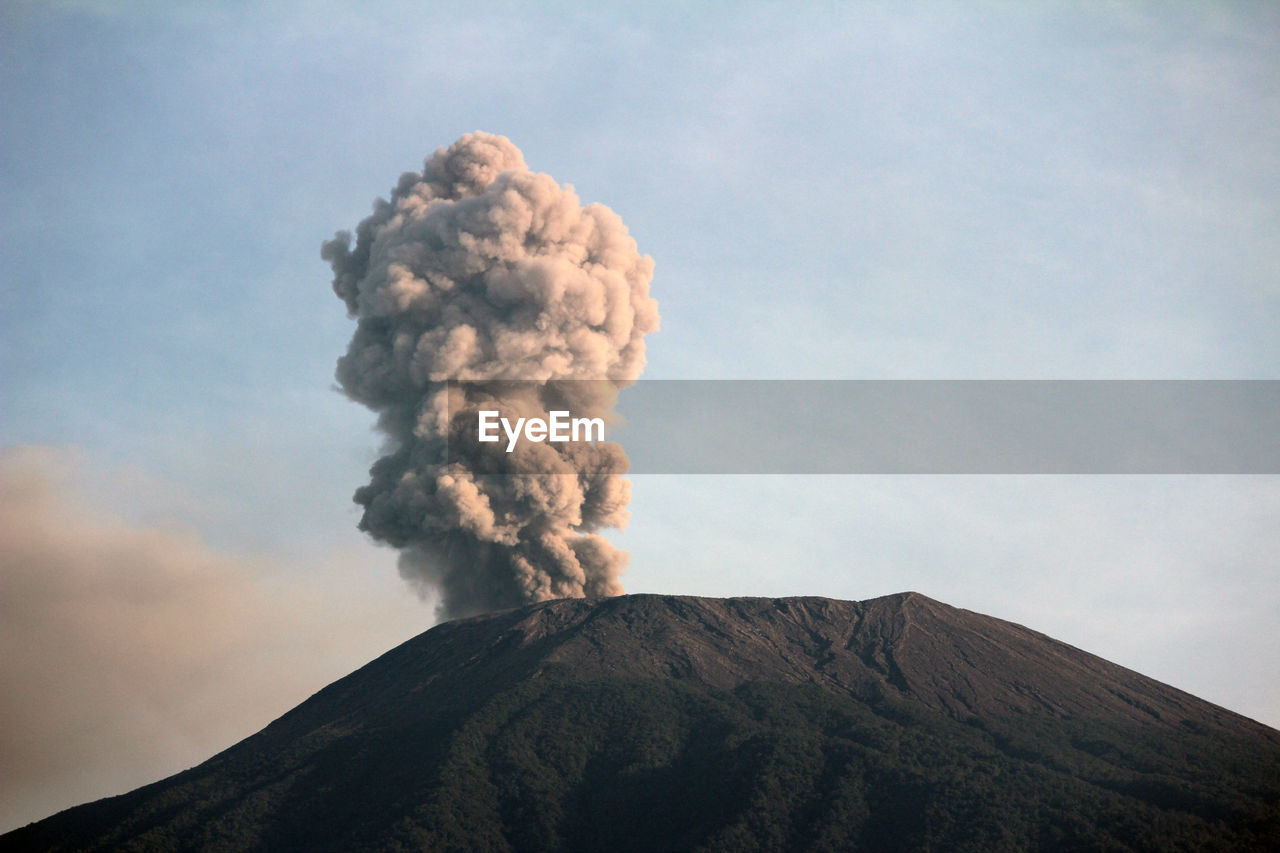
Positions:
{"x": 650, "y": 722}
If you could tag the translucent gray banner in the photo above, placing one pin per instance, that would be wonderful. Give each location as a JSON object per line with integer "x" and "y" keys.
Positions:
{"x": 916, "y": 426}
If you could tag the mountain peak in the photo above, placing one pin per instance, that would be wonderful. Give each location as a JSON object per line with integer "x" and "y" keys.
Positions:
{"x": 901, "y": 646}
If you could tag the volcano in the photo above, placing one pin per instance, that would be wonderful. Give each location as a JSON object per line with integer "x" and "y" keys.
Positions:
{"x": 649, "y": 722}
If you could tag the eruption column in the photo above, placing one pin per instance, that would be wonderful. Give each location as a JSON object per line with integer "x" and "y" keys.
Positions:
{"x": 477, "y": 269}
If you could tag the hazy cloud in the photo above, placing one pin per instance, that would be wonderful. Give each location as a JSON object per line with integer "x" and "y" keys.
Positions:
{"x": 133, "y": 651}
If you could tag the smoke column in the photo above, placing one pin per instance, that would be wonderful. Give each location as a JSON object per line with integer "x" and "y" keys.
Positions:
{"x": 478, "y": 269}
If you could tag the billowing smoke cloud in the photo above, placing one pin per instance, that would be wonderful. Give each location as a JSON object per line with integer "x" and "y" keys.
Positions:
{"x": 478, "y": 269}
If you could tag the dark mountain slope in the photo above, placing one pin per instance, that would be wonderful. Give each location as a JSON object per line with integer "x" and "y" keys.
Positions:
{"x": 675, "y": 723}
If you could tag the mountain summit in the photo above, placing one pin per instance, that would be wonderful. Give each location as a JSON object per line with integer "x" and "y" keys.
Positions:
{"x": 650, "y": 722}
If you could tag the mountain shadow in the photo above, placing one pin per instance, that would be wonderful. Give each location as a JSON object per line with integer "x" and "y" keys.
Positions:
{"x": 652, "y": 722}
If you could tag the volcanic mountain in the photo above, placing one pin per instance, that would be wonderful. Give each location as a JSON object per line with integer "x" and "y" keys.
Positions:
{"x": 651, "y": 722}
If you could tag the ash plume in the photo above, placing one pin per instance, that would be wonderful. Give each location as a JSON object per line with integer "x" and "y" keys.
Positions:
{"x": 477, "y": 269}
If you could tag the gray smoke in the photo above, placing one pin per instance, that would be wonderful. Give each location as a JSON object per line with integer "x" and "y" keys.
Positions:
{"x": 478, "y": 269}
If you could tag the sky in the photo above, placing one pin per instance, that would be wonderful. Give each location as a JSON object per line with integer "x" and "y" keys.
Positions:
{"x": 828, "y": 191}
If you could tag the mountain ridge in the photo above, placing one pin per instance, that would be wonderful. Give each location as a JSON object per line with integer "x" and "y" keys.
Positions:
{"x": 897, "y": 721}
{"x": 887, "y": 619}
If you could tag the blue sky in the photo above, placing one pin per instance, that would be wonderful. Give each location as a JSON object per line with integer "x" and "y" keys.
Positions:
{"x": 860, "y": 190}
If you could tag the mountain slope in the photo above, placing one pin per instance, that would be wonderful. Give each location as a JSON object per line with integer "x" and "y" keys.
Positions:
{"x": 676, "y": 723}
